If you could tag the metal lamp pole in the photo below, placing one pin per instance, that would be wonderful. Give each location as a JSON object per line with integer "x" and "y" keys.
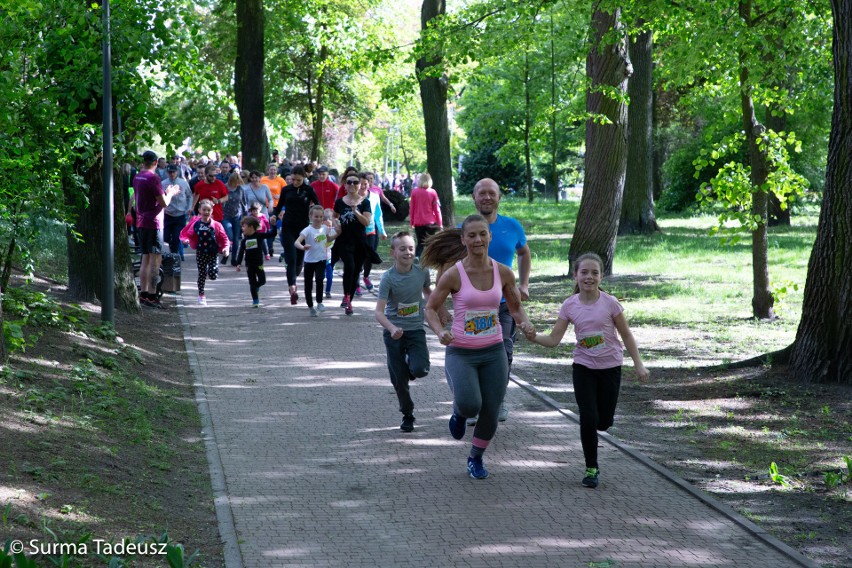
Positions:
{"x": 108, "y": 296}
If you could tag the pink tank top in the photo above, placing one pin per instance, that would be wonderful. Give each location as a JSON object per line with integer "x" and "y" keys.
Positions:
{"x": 476, "y": 321}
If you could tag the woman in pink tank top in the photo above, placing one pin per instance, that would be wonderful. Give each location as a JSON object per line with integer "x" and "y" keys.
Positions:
{"x": 476, "y": 364}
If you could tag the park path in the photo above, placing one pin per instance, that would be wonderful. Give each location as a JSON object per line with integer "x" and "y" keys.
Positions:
{"x": 315, "y": 472}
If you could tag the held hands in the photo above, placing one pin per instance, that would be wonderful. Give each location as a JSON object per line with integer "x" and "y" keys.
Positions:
{"x": 527, "y": 329}
{"x": 446, "y": 337}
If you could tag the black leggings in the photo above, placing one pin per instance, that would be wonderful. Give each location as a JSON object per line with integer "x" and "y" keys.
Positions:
{"x": 208, "y": 267}
{"x": 596, "y": 391}
{"x": 314, "y": 271}
{"x": 373, "y": 243}
{"x": 257, "y": 278}
{"x": 353, "y": 261}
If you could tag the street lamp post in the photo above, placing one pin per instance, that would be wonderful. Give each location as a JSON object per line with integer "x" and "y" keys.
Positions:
{"x": 108, "y": 296}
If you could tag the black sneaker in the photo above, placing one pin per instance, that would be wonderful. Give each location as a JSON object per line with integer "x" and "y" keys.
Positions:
{"x": 407, "y": 423}
{"x": 591, "y": 479}
{"x": 457, "y": 426}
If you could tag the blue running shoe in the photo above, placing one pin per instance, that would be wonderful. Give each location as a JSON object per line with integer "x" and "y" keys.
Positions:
{"x": 475, "y": 468}
{"x": 457, "y": 426}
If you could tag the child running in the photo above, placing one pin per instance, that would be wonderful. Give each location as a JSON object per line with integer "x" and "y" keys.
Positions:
{"x": 207, "y": 236}
{"x": 597, "y": 357}
{"x": 400, "y": 311}
{"x": 251, "y": 246}
{"x": 313, "y": 240}
{"x": 265, "y": 227}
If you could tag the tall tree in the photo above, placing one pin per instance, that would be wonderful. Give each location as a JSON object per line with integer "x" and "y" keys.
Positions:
{"x": 433, "y": 93}
{"x": 637, "y": 208}
{"x": 821, "y": 351}
{"x": 608, "y": 69}
{"x": 248, "y": 84}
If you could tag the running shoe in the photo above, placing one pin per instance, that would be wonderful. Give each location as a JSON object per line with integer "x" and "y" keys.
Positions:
{"x": 503, "y": 413}
{"x": 145, "y": 301}
{"x": 591, "y": 479}
{"x": 348, "y": 310}
{"x": 281, "y": 257}
{"x": 476, "y": 469}
{"x": 255, "y": 303}
{"x": 345, "y": 302}
{"x": 202, "y": 301}
{"x": 367, "y": 284}
{"x": 266, "y": 257}
{"x": 294, "y": 298}
{"x": 358, "y": 291}
{"x": 320, "y": 307}
{"x": 457, "y": 426}
{"x": 327, "y": 295}
{"x": 313, "y": 311}
{"x": 407, "y": 423}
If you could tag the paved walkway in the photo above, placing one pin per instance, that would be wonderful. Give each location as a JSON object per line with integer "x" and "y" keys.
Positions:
{"x": 318, "y": 474}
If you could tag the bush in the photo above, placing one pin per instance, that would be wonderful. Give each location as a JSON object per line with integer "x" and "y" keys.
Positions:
{"x": 482, "y": 163}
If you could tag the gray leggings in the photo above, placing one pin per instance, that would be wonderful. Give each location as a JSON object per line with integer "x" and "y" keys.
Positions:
{"x": 478, "y": 379}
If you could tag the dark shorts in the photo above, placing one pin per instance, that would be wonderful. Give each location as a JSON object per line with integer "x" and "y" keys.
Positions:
{"x": 149, "y": 241}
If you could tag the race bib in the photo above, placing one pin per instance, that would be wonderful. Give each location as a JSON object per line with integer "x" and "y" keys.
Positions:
{"x": 251, "y": 244}
{"x": 593, "y": 341}
{"x": 408, "y": 310}
{"x": 481, "y": 323}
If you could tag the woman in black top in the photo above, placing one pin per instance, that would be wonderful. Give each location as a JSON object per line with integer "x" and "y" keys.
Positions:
{"x": 296, "y": 200}
{"x": 354, "y": 213}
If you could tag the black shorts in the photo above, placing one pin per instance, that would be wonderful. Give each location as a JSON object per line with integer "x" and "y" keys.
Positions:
{"x": 149, "y": 241}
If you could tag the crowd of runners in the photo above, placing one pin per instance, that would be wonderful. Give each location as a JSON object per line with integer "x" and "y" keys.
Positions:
{"x": 320, "y": 221}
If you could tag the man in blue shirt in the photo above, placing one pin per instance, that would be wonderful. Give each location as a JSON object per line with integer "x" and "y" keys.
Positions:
{"x": 507, "y": 240}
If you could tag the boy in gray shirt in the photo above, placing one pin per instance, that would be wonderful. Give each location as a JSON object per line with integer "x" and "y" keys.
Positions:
{"x": 403, "y": 292}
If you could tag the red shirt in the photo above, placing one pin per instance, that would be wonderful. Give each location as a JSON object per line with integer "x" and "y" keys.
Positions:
{"x": 326, "y": 192}
{"x": 212, "y": 191}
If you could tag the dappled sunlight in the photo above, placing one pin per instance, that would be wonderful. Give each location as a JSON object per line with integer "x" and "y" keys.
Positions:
{"x": 295, "y": 552}
{"x": 699, "y": 407}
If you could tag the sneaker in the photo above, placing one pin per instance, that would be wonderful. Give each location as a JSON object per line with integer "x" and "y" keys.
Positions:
{"x": 294, "y": 298}
{"x": 281, "y": 257}
{"x": 328, "y": 295}
{"x": 591, "y": 479}
{"x": 320, "y": 307}
{"x": 145, "y": 301}
{"x": 472, "y": 421}
{"x": 266, "y": 257}
{"x": 313, "y": 311}
{"x": 367, "y": 284}
{"x": 407, "y": 423}
{"x": 358, "y": 291}
{"x": 503, "y": 413}
{"x": 255, "y": 303}
{"x": 202, "y": 301}
{"x": 457, "y": 426}
{"x": 345, "y": 302}
{"x": 476, "y": 469}
{"x": 348, "y": 310}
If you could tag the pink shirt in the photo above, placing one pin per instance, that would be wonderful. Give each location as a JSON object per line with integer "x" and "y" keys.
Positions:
{"x": 425, "y": 207}
{"x": 476, "y": 321}
{"x": 598, "y": 346}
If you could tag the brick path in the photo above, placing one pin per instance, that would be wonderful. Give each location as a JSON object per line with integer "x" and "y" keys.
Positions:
{"x": 318, "y": 474}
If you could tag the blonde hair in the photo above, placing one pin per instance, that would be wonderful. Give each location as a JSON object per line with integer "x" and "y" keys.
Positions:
{"x": 234, "y": 180}
{"x": 425, "y": 180}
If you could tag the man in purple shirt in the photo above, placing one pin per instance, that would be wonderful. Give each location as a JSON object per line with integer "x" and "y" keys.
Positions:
{"x": 151, "y": 200}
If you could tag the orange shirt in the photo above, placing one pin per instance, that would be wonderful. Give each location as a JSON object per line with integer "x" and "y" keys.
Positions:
{"x": 275, "y": 185}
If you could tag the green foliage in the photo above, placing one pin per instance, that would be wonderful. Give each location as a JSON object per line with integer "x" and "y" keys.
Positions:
{"x": 483, "y": 163}
{"x": 732, "y": 186}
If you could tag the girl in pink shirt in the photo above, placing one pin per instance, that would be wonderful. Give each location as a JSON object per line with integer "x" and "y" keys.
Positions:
{"x": 598, "y": 355}
{"x": 476, "y": 359}
{"x": 425, "y": 211}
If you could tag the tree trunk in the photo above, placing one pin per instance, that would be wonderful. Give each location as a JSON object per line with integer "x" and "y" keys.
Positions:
{"x": 85, "y": 256}
{"x": 821, "y": 352}
{"x": 637, "y": 208}
{"x": 659, "y": 150}
{"x": 527, "y": 127}
{"x": 762, "y": 300}
{"x": 318, "y": 109}
{"x": 607, "y": 66}
{"x": 248, "y": 84}
{"x": 433, "y": 94}
{"x": 776, "y": 120}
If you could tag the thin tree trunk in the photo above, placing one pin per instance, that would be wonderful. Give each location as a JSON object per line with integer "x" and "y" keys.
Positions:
{"x": 433, "y": 94}
{"x": 553, "y": 174}
{"x": 637, "y": 208}
{"x": 248, "y": 84}
{"x": 6, "y": 273}
{"x": 607, "y": 65}
{"x": 762, "y": 300}
{"x": 821, "y": 352}
{"x": 318, "y": 113}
